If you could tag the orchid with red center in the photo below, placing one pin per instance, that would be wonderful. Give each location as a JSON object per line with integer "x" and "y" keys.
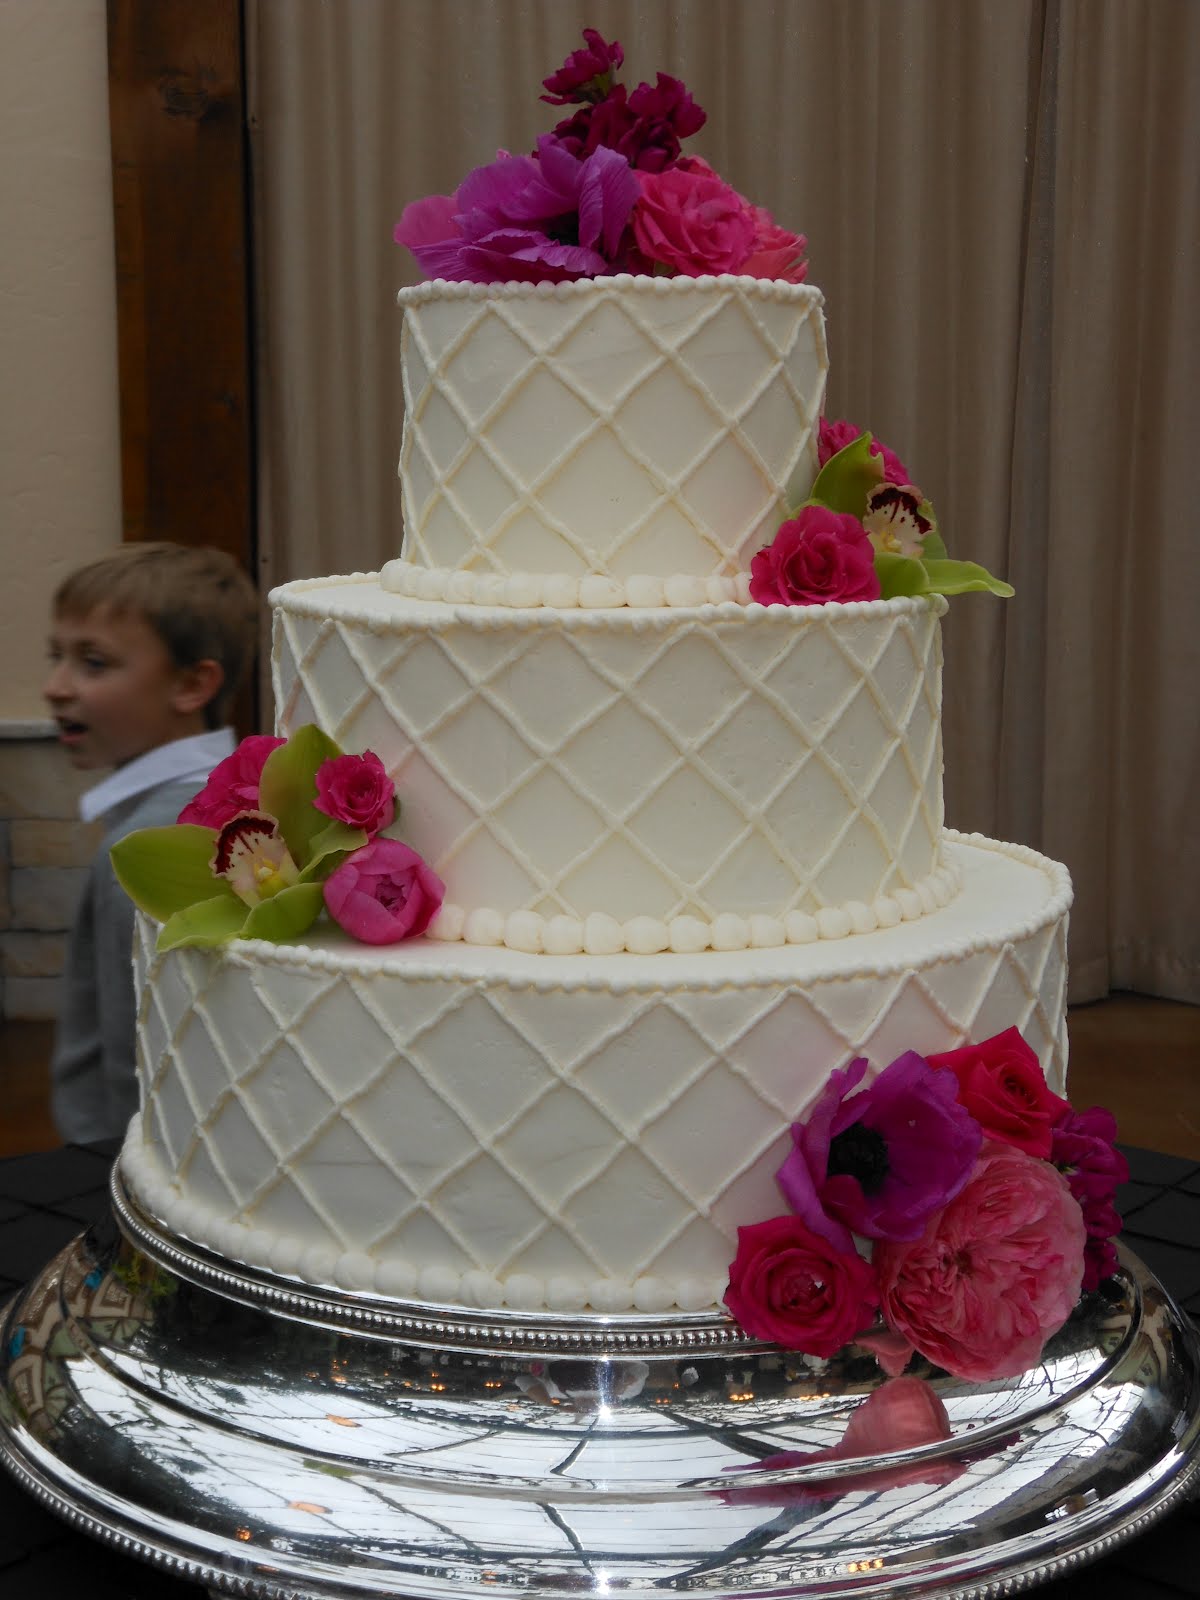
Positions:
{"x": 880, "y": 1162}
{"x": 865, "y": 483}
{"x": 291, "y": 814}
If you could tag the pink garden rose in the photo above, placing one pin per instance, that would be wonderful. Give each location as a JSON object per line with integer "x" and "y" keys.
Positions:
{"x": 1001, "y": 1083}
{"x": 792, "y": 1286}
{"x": 232, "y": 785}
{"x": 356, "y": 790}
{"x": 994, "y": 1274}
{"x": 383, "y": 893}
{"x": 692, "y": 222}
{"x": 775, "y": 253}
{"x": 835, "y": 436}
{"x": 817, "y": 556}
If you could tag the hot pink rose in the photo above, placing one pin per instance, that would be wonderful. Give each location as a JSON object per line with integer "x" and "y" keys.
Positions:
{"x": 790, "y": 1285}
{"x": 383, "y": 893}
{"x": 835, "y": 436}
{"x": 232, "y": 785}
{"x": 692, "y": 222}
{"x": 818, "y": 556}
{"x": 995, "y": 1274}
{"x": 1001, "y": 1083}
{"x": 356, "y": 790}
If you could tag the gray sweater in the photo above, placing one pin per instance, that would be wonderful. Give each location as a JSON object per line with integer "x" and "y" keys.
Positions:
{"x": 93, "y": 1074}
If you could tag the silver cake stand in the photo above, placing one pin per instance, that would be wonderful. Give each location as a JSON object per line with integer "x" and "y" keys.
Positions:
{"x": 268, "y": 1439}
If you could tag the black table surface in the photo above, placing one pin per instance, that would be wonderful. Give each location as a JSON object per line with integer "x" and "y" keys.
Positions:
{"x": 45, "y": 1200}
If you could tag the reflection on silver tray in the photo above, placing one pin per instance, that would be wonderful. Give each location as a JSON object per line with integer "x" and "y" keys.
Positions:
{"x": 272, "y": 1440}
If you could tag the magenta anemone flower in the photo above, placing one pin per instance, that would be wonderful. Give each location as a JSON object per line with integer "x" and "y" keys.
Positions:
{"x": 881, "y": 1162}
{"x": 541, "y": 219}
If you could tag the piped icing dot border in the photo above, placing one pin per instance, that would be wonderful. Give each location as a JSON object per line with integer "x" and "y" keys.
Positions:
{"x": 332, "y": 598}
{"x": 562, "y": 591}
{"x": 601, "y": 935}
{"x": 624, "y": 283}
{"x": 312, "y": 1262}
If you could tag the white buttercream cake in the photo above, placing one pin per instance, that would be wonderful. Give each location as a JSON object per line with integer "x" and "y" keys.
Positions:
{"x": 693, "y": 847}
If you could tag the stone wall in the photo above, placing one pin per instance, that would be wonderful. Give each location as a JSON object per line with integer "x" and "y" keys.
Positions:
{"x": 44, "y": 854}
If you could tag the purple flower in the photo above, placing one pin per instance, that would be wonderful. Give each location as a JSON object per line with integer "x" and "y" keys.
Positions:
{"x": 880, "y": 1162}
{"x": 585, "y": 74}
{"x": 542, "y": 219}
{"x": 1083, "y": 1149}
{"x": 645, "y": 127}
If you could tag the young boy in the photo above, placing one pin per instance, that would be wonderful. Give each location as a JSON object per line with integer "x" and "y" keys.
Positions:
{"x": 148, "y": 647}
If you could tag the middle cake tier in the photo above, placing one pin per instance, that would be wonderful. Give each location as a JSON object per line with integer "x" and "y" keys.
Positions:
{"x": 712, "y": 777}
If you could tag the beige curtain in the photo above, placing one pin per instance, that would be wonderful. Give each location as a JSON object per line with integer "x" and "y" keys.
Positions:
{"x": 1002, "y": 199}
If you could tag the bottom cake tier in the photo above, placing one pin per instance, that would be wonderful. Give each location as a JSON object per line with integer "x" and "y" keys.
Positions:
{"x": 484, "y": 1128}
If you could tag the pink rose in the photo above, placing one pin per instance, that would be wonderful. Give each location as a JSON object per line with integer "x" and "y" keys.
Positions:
{"x": 994, "y": 1275}
{"x": 383, "y": 893}
{"x": 356, "y": 790}
{"x": 792, "y": 1286}
{"x": 817, "y": 556}
{"x": 692, "y": 222}
{"x": 232, "y": 785}
{"x": 1001, "y": 1083}
{"x": 835, "y": 436}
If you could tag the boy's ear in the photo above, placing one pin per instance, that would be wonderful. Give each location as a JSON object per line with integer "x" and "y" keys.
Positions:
{"x": 196, "y": 685}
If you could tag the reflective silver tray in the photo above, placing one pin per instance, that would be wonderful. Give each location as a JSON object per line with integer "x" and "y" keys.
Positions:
{"x": 273, "y": 1440}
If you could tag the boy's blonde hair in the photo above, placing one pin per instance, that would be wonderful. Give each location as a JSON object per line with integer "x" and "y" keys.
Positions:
{"x": 198, "y": 600}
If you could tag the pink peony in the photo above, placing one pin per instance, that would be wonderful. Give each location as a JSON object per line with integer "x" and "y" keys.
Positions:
{"x": 585, "y": 74}
{"x": 356, "y": 790}
{"x": 792, "y": 1286}
{"x": 994, "y": 1275}
{"x": 1002, "y": 1085}
{"x": 232, "y": 785}
{"x": 1083, "y": 1148}
{"x": 383, "y": 893}
{"x": 692, "y": 222}
{"x": 902, "y": 1414}
{"x": 835, "y": 436}
{"x": 817, "y": 556}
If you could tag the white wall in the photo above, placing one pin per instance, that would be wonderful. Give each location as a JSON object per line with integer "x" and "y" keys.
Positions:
{"x": 59, "y": 435}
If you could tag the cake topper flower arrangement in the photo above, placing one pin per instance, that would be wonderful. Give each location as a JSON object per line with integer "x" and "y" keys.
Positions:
{"x": 866, "y": 532}
{"x": 607, "y": 190}
{"x": 955, "y": 1206}
{"x": 282, "y": 830}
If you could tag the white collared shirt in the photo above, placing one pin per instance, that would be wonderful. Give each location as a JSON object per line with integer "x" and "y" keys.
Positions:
{"x": 183, "y": 760}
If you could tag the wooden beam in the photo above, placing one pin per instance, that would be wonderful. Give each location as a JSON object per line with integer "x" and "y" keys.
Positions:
{"x": 179, "y": 163}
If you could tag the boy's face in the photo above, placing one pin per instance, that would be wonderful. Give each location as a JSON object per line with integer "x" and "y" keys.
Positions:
{"x": 112, "y": 687}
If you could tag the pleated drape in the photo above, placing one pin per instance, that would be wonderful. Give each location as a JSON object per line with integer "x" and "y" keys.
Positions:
{"x": 1002, "y": 201}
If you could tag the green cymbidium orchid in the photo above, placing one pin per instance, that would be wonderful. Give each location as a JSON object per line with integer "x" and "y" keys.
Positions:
{"x": 910, "y": 555}
{"x": 259, "y": 877}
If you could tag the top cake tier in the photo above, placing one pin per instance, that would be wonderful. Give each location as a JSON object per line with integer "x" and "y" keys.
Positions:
{"x": 605, "y": 442}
